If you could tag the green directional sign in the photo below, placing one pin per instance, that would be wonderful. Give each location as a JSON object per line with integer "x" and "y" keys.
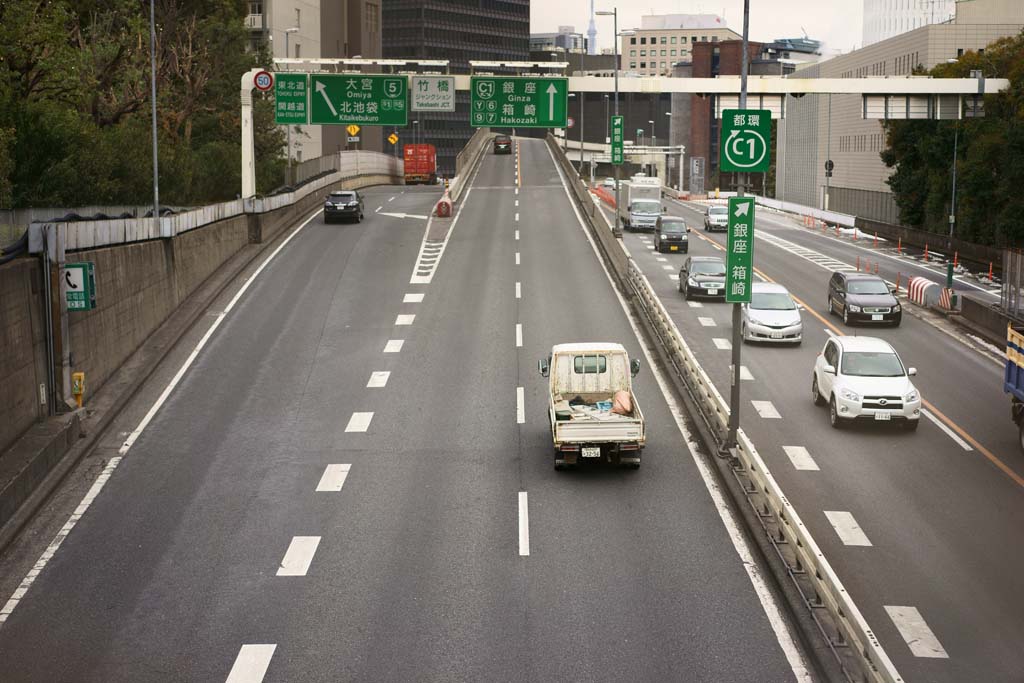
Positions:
{"x": 617, "y": 126}
{"x": 365, "y": 99}
{"x": 290, "y": 102}
{"x": 746, "y": 140}
{"x": 739, "y": 258}
{"x": 80, "y": 286}
{"x": 523, "y": 102}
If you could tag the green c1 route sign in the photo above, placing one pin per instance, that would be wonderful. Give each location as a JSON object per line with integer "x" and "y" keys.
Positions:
{"x": 365, "y": 99}
{"x": 520, "y": 101}
{"x": 739, "y": 256}
{"x": 746, "y": 141}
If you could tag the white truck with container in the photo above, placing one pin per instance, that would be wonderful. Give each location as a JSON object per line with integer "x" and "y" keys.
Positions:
{"x": 593, "y": 412}
{"x": 642, "y": 205}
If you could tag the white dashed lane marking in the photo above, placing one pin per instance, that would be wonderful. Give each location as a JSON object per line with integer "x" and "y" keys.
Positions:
{"x": 393, "y": 345}
{"x": 520, "y": 407}
{"x": 766, "y": 409}
{"x": 668, "y": 267}
{"x": 722, "y": 344}
{"x": 920, "y": 639}
{"x": 377, "y": 210}
{"x": 333, "y": 477}
{"x": 524, "y": 525}
{"x": 801, "y": 458}
{"x": 661, "y": 259}
{"x": 745, "y": 374}
{"x": 519, "y": 335}
{"x": 359, "y": 422}
{"x": 299, "y": 556}
{"x": 694, "y": 304}
{"x": 378, "y": 379}
{"x": 413, "y": 298}
{"x": 517, "y": 235}
{"x": 392, "y": 199}
{"x": 405, "y": 319}
{"x": 517, "y": 216}
{"x": 517, "y": 258}
{"x": 251, "y": 663}
{"x": 707, "y": 322}
{"x": 519, "y": 290}
{"x": 846, "y": 527}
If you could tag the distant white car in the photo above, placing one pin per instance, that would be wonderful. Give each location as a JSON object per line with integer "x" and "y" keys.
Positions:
{"x": 771, "y": 315}
{"x": 716, "y": 217}
{"x": 863, "y": 378}
{"x": 608, "y": 183}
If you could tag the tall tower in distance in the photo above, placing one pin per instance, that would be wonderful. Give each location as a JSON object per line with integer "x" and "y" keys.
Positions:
{"x": 592, "y": 33}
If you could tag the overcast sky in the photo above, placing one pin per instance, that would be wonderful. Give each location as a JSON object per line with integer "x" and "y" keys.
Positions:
{"x": 836, "y": 22}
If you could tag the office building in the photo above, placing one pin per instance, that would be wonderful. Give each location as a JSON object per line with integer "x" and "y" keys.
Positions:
{"x": 819, "y": 127}
{"x": 565, "y": 38}
{"x": 458, "y": 32}
{"x": 663, "y": 40}
{"x": 884, "y": 19}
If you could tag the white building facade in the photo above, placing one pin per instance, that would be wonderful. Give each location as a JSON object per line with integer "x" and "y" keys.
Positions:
{"x": 887, "y": 18}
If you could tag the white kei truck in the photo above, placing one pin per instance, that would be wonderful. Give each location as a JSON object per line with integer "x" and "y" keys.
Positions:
{"x": 643, "y": 206}
{"x": 593, "y": 412}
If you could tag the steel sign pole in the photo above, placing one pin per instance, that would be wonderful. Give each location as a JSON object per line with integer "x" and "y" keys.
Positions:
{"x": 737, "y": 308}
{"x": 618, "y": 167}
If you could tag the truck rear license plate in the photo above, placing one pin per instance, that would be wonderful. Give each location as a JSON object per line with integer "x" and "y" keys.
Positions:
{"x": 591, "y": 452}
{"x": 883, "y": 415}
{"x": 876, "y": 317}
{"x": 673, "y": 248}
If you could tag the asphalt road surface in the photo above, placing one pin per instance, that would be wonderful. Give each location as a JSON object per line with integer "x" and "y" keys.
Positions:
{"x": 342, "y": 485}
{"x": 923, "y": 528}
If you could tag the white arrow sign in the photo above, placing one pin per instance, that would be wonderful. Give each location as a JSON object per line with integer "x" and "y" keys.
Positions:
{"x": 742, "y": 209}
{"x": 551, "y": 100}
{"x": 322, "y": 89}
{"x": 403, "y": 215}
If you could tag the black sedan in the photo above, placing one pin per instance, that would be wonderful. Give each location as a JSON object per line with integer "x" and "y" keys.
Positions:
{"x": 670, "y": 235}
{"x": 502, "y": 144}
{"x": 863, "y": 298}
{"x": 702, "y": 276}
{"x": 343, "y": 204}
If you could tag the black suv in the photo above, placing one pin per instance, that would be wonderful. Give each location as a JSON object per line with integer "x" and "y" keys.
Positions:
{"x": 670, "y": 235}
{"x": 862, "y": 297}
{"x": 343, "y": 204}
{"x": 502, "y": 144}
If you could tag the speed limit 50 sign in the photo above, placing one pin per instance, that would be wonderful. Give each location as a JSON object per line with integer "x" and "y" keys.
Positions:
{"x": 746, "y": 140}
{"x": 264, "y": 81}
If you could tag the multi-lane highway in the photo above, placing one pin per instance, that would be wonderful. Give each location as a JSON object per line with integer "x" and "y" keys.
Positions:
{"x": 923, "y": 528}
{"x": 350, "y": 479}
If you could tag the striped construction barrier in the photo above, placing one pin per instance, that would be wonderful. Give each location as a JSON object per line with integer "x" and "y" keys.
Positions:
{"x": 604, "y": 195}
{"x": 922, "y": 291}
{"x": 947, "y": 300}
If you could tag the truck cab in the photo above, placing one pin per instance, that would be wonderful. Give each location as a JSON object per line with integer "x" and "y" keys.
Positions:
{"x": 642, "y": 206}
{"x": 592, "y": 409}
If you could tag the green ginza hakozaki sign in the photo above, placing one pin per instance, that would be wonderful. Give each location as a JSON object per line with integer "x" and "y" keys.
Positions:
{"x": 523, "y": 101}
{"x": 365, "y": 99}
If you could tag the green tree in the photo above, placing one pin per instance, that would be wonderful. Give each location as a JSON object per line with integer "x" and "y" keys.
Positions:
{"x": 989, "y": 173}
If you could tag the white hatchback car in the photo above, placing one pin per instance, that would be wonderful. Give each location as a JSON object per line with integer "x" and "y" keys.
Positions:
{"x": 863, "y": 378}
{"x": 771, "y": 315}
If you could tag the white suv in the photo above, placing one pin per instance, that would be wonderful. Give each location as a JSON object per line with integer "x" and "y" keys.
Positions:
{"x": 863, "y": 378}
{"x": 716, "y": 217}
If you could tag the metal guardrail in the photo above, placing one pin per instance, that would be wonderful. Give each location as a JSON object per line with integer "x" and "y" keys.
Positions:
{"x": 847, "y": 632}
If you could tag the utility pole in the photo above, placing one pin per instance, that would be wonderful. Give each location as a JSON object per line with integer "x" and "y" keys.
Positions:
{"x": 828, "y": 154}
{"x": 583, "y": 102}
{"x": 152, "y": 96}
{"x": 737, "y": 308}
{"x": 952, "y": 206}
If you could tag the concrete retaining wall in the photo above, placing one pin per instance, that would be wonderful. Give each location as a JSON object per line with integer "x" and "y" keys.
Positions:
{"x": 986, "y": 318}
{"x": 22, "y": 347}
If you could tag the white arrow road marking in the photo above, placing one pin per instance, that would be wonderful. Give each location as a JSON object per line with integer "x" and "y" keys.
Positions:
{"x": 403, "y": 215}
{"x": 322, "y": 89}
{"x": 551, "y": 101}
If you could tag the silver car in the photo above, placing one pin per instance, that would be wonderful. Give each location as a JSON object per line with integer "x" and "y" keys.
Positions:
{"x": 771, "y": 315}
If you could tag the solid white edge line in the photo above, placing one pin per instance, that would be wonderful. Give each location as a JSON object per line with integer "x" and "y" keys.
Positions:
{"x": 949, "y": 432}
{"x": 251, "y": 663}
{"x": 112, "y": 464}
{"x": 524, "y": 525}
{"x": 786, "y": 641}
{"x": 299, "y": 556}
{"x": 519, "y": 335}
{"x": 520, "y": 407}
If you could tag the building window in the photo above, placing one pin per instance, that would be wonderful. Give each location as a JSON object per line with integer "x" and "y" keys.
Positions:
{"x": 663, "y": 53}
{"x": 298, "y": 51}
{"x": 663, "y": 65}
{"x": 703, "y": 39}
{"x": 643, "y": 40}
{"x": 674, "y": 40}
{"x": 632, "y": 65}
{"x": 643, "y": 53}
{"x": 372, "y": 18}
{"x": 632, "y": 53}
{"x": 693, "y": 39}
{"x": 714, "y": 39}
{"x": 298, "y": 17}
{"x": 673, "y": 53}
{"x": 256, "y": 7}
{"x": 682, "y": 39}
{"x": 632, "y": 41}
{"x": 663, "y": 40}
{"x": 643, "y": 65}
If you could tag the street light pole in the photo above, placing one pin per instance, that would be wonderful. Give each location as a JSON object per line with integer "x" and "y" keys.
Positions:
{"x": 583, "y": 101}
{"x": 737, "y": 308}
{"x": 152, "y": 94}
{"x": 615, "y": 43}
{"x": 654, "y": 141}
{"x": 952, "y": 207}
{"x": 288, "y": 32}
